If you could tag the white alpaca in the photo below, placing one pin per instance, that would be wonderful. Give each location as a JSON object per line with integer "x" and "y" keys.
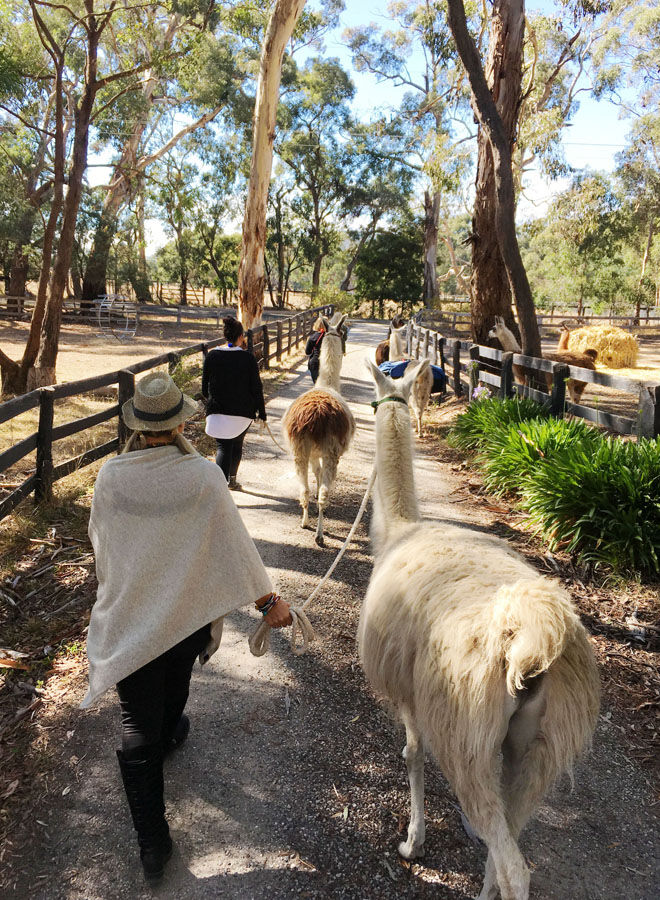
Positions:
{"x": 485, "y": 661}
{"x": 319, "y": 426}
{"x": 423, "y": 385}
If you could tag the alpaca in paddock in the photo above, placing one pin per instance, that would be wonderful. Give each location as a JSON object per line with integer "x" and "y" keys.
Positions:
{"x": 319, "y": 426}
{"x": 423, "y": 385}
{"x": 484, "y": 660}
{"x": 584, "y": 360}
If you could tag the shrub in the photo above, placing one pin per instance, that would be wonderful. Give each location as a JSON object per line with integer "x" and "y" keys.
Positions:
{"x": 511, "y": 452}
{"x": 473, "y": 427}
{"x": 602, "y": 504}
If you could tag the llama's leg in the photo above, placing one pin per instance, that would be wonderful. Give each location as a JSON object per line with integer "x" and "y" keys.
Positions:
{"x": 317, "y": 466}
{"x": 328, "y": 475}
{"x": 482, "y": 802}
{"x": 302, "y": 471}
{"x": 414, "y": 756}
{"x": 528, "y": 769}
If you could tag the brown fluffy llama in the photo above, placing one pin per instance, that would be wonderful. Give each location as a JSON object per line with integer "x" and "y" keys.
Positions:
{"x": 319, "y": 426}
{"x": 485, "y": 661}
{"x": 584, "y": 360}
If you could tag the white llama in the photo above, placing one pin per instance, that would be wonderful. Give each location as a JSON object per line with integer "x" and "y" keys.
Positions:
{"x": 584, "y": 360}
{"x": 485, "y": 661}
{"x": 319, "y": 426}
{"x": 423, "y": 385}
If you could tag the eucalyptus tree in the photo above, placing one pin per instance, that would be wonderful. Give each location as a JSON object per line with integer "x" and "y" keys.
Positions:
{"x": 192, "y": 77}
{"x": 314, "y": 145}
{"x": 430, "y": 104}
{"x": 84, "y": 80}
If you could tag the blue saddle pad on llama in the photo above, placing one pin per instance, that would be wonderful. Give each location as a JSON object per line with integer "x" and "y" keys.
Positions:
{"x": 396, "y": 370}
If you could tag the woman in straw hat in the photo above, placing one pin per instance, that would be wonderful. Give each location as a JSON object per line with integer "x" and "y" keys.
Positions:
{"x": 172, "y": 558}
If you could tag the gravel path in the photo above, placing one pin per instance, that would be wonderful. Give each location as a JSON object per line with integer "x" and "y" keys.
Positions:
{"x": 291, "y": 783}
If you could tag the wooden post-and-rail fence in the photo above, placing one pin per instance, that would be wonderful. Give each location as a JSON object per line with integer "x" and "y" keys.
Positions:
{"x": 268, "y": 341}
{"x": 485, "y": 365}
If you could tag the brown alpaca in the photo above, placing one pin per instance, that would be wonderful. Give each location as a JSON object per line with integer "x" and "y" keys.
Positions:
{"x": 584, "y": 360}
{"x": 319, "y": 426}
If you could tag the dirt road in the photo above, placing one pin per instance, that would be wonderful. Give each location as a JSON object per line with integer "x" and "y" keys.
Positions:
{"x": 292, "y": 783}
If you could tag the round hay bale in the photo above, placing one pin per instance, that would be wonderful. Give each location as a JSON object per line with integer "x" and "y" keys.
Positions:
{"x": 617, "y": 349}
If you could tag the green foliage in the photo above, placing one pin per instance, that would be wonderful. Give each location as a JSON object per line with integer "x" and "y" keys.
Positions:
{"x": 390, "y": 267}
{"x": 509, "y": 453}
{"x": 472, "y": 428}
{"x": 602, "y": 504}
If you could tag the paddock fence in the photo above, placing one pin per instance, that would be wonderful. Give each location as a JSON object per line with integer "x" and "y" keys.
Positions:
{"x": 268, "y": 342}
{"x": 467, "y": 365}
{"x": 459, "y": 322}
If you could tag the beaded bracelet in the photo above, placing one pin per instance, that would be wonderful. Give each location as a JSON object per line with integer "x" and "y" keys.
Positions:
{"x": 268, "y": 605}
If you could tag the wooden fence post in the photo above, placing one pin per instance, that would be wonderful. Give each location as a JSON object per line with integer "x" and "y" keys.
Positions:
{"x": 473, "y": 373}
{"x": 425, "y": 351}
{"x": 506, "y": 376}
{"x": 558, "y": 393}
{"x": 458, "y": 389}
{"x": 125, "y": 391}
{"x": 250, "y": 340}
{"x": 279, "y": 341}
{"x": 297, "y": 340}
{"x": 266, "y": 346}
{"x": 43, "y": 488}
{"x": 648, "y": 424}
{"x": 173, "y": 360}
{"x": 441, "y": 344}
{"x": 290, "y": 329}
{"x": 409, "y": 333}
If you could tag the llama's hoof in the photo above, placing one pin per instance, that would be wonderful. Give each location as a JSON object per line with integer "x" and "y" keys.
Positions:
{"x": 319, "y": 540}
{"x": 410, "y": 850}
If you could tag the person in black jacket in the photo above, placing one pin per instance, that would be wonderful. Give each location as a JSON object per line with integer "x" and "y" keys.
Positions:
{"x": 313, "y": 349}
{"x": 232, "y": 387}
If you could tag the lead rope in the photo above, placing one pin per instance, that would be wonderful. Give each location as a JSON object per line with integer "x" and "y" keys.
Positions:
{"x": 259, "y": 641}
{"x": 266, "y": 427}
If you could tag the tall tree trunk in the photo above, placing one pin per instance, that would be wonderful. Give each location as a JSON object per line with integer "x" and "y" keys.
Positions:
{"x": 366, "y": 235}
{"x": 431, "y": 220}
{"x": 490, "y": 287}
{"x": 645, "y": 262}
{"x": 316, "y": 273}
{"x": 141, "y": 286}
{"x": 44, "y": 367}
{"x": 499, "y": 139}
{"x": 251, "y": 269}
{"x": 94, "y": 281}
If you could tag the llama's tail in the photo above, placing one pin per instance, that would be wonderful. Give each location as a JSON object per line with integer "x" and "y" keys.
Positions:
{"x": 532, "y": 620}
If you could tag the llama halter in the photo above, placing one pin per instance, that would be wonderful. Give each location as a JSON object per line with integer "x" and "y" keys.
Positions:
{"x": 393, "y": 398}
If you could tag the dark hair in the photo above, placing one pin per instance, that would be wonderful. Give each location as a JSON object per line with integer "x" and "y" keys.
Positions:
{"x": 233, "y": 329}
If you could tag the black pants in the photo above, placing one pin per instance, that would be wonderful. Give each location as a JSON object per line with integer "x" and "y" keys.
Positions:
{"x": 153, "y": 698}
{"x": 229, "y": 453}
{"x": 314, "y": 365}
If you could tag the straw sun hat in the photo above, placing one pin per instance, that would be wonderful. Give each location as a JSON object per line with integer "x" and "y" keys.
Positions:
{"x": 157, "y": 405}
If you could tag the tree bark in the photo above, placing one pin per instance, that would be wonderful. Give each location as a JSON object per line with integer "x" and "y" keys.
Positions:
{"x": 490, "y": 288}
{"x": 251, "y": 277}
{"x": 491, "y": 123}
{"x": 431, "y": 220}
{"x": 44, "y": 367}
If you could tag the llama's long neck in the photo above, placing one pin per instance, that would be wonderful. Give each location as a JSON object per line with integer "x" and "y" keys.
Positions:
{"x": 395, "y": 484}
{"x": 330, "y": 363}
{"x": 508, "y": 340}
{"x": 562, "y": 344}
{"x": 397, "y": 345}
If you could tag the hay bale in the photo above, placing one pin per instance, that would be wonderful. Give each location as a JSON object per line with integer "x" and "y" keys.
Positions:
{"x": 617, "y": 349}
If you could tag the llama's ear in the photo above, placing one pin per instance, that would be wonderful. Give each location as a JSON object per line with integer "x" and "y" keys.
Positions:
{"x": 341, "y": 321}
{"x": 413, "y": 369}
{"x": 383, "y": 383}
{"x": 326, "y": 323}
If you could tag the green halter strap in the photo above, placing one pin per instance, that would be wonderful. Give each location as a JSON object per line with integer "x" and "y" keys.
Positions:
{"x": 392, "y": 399}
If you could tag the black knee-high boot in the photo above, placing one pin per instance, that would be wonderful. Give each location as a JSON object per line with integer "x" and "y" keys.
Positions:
{"x": 142, "y": 774}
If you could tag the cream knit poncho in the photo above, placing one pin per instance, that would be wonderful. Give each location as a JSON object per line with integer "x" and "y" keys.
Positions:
{"x": 172, "y": 554}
